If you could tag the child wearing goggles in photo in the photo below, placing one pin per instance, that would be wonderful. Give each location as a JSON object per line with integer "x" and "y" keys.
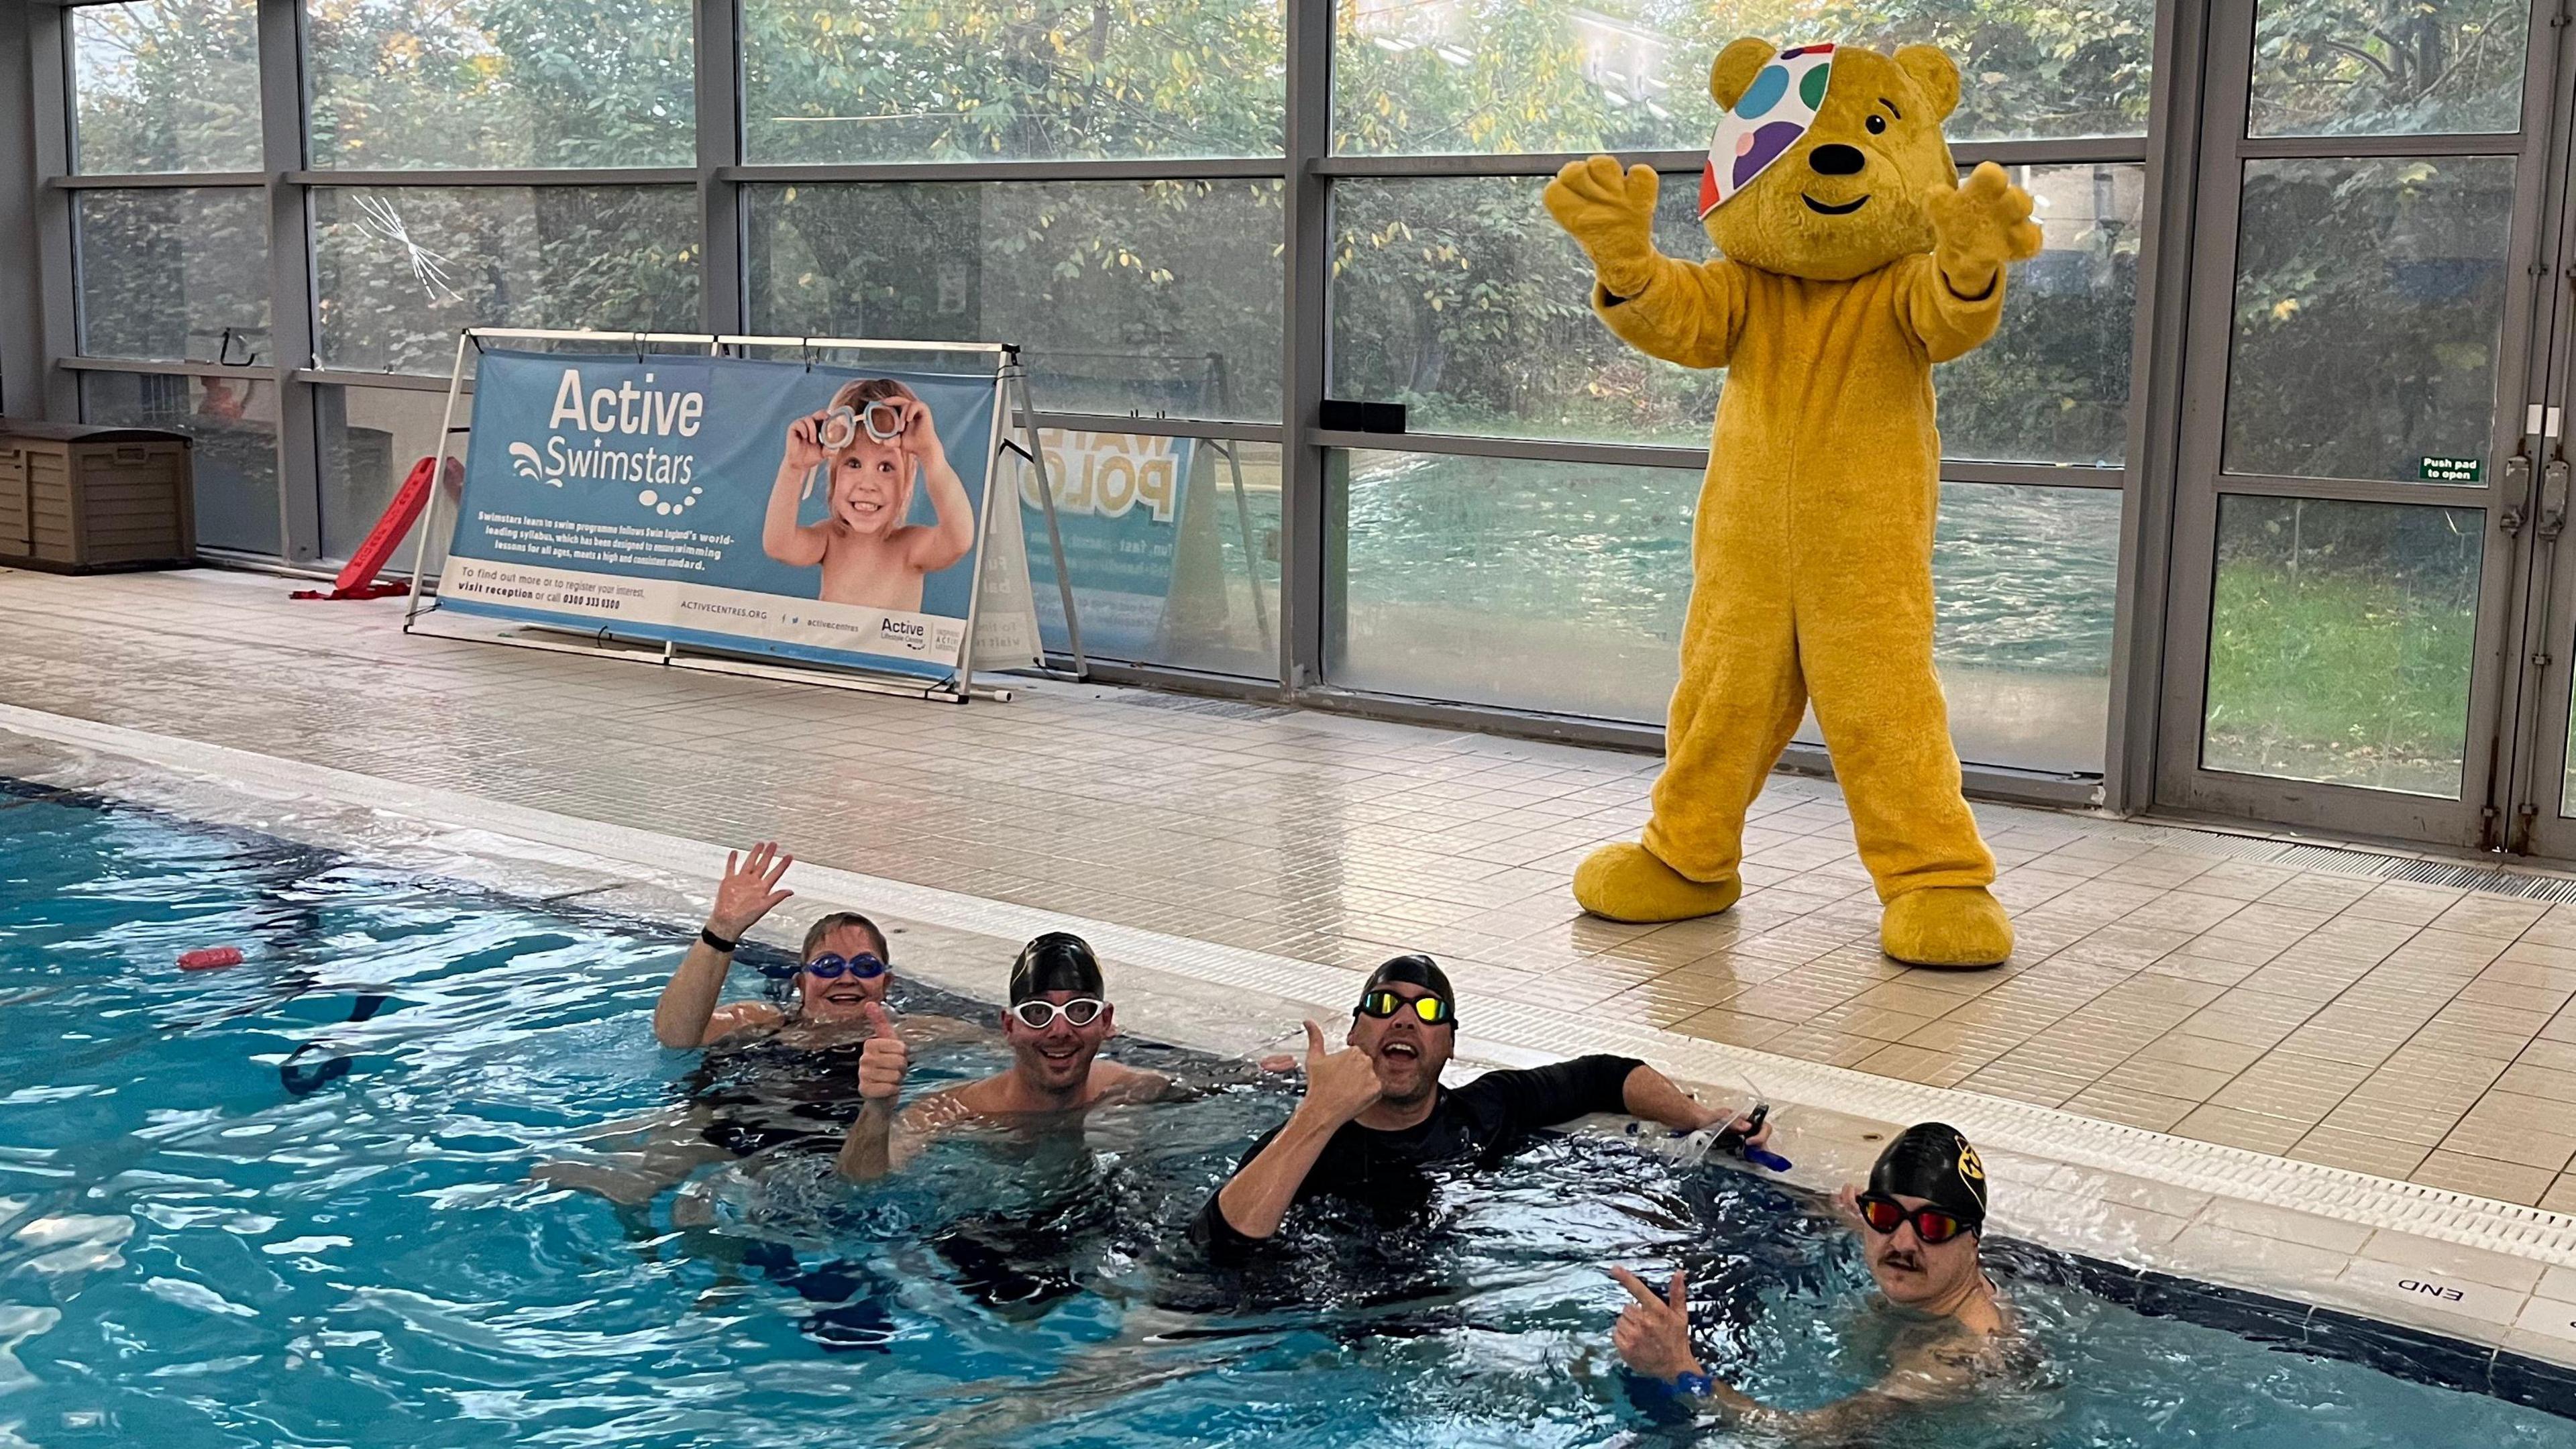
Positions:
{"x": 868, "y": 444}
{"x": 1920, "y": 1221}
{"x": 1058, "y": 1019}
{"x": 1375, "y": 1116}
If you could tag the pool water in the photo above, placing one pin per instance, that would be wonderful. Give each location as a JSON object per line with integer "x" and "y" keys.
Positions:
{"x": 192, "y": 1254}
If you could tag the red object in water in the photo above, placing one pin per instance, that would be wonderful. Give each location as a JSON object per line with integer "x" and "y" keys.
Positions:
{"x": 358, "y": 580}
{"x": 207, "y": 958}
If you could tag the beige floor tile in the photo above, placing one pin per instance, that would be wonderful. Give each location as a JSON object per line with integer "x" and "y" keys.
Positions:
{"x": 2561, "y": 1197}
{"x": 2359, "y": 1152}
{"x": 2200, "y": 1051}
{"x": 2485, "y": 1177}
{"x": 1731, "y": 1027}
{"x": 2191, "y": 1084}
{"x": 2138, "y": 1109}
{"x": 1920, "y": 1064}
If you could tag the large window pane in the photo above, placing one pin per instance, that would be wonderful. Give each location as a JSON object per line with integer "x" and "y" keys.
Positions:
{"x": 1434, "y": 76}
{"x": 2340, "y": 641}
{"x": 175, "y": 274}
{"x": 399, "y": 271}
{"x": 2367, "y": 67}
{"x": 370, "y": 437}
{"x": 1162, "y": 297}
{"x": 1172, "y": 545}
{"x": 894, "y": 80}
{"x": 1562, "y": 587}
{"x": 2052, "y": 385}
{"x": 491, "y": 83}
{"x": 166, "y": 85}
{"x": 1460, "y": 298}
{"x": 2369, "y": 299}
{"x": 234, "y": 423}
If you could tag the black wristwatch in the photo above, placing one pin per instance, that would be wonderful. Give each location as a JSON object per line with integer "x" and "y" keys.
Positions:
{"x": 708, "y": 935}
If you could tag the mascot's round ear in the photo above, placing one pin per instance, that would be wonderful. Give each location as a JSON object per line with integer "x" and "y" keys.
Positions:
{"x": 1936, "y": 73}
{"x": 1736, "y": 67}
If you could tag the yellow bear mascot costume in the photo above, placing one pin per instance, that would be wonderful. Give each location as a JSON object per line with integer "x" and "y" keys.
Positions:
{"x": 1852, "y": 260}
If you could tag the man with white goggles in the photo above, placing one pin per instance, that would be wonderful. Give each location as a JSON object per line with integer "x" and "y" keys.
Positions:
{"x": 1058, "y": 1020}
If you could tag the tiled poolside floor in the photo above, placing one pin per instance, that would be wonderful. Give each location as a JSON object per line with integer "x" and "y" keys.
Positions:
{"x": 2405, "y": 1030}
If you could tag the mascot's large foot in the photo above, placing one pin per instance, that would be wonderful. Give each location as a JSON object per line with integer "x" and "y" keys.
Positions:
{"x": 1625, "y": 882}
{"x": 1949, "y": 928}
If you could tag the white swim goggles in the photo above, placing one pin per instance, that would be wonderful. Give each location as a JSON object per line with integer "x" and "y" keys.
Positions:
{"x": 882, "y": 418}
{"x": 1039, "y": 1013}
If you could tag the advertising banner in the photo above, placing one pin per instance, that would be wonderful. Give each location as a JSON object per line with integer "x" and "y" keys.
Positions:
{"x": 811, "y": 513}
{"x": 1118, "y": 507}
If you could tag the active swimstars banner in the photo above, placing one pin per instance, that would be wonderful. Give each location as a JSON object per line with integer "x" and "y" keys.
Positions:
{"x": 1118, "y": 501}
{"x": 812, "y": 513}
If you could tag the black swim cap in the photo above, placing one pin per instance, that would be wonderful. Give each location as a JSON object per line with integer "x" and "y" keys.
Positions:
{"x": 1933, "y": 1161}
{"x": 1056, "y": 961}
{"x": 1414, "y": 970}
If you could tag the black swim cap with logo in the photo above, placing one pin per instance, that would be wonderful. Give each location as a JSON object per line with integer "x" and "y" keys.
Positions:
{"x": 1056, "y": 961}
{"x": 1933, "y": 1161}
{"x": 1413, "y": 970}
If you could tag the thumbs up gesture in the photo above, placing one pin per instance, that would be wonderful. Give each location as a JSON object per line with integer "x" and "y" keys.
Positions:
{"x": 884, "y": 1058}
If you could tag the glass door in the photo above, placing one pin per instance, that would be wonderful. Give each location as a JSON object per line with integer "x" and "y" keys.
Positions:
{"x": 2350, "y": 543}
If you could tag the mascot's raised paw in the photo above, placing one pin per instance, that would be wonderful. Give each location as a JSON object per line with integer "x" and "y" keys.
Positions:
{"x": 1625, "y": 882}
{"x": 1979, "y": 225}
{"x": 1957, "y": 928}
{"x": 1610, "y": 213}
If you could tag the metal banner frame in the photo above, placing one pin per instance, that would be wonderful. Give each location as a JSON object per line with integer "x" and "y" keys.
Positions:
{"x": 1010, "y": 400}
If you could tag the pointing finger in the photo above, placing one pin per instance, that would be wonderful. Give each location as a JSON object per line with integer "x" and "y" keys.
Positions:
{"x": 1679, "y": 1294}
{"x": 1636, "y": 1287}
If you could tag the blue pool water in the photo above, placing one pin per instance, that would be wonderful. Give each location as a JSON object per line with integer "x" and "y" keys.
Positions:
{"x": 192, "y": 1255}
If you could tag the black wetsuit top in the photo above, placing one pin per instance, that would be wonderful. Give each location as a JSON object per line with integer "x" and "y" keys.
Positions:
{"x": 1478, "y": 1125}
{"x": 766, "y": 1095}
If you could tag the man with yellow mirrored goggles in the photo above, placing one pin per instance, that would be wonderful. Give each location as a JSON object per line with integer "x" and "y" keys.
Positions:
{"x": 1375, "y": 1114}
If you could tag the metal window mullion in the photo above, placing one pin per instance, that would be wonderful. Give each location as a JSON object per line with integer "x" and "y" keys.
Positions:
{"x": 1252, "y": 168}
{"x": 2073, "y": 152}
{"x": 502, "y": 176}
{"x": 290, "y": 270}
{"x": 150, "y": 180}
{"x": 721, "y": 283}
{"x": 47, "y": 390}
{"x": 1307, "y": 220}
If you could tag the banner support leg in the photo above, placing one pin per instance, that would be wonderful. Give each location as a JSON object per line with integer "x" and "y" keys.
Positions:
{"x": 1055, "y": 536}
{"x": 437, "y": 482}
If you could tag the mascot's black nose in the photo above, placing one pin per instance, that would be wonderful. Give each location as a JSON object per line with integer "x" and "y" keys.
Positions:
{"x": 1837, "y": 160}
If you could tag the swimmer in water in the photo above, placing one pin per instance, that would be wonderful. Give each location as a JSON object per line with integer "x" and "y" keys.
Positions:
{"x": 1919, "y": 1221}
{"x": 1375, "y": 1114}
{"x": 1059, "y": 1018}
{"x": 847, "y": 968}
{"x": 780, "y": 1076}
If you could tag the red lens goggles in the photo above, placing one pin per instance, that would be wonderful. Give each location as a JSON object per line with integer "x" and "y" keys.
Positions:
{"x": 1885, "y": 1214}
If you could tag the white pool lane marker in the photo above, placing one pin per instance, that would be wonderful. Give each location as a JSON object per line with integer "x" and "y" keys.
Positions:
{"x": 1508, "y": 1031}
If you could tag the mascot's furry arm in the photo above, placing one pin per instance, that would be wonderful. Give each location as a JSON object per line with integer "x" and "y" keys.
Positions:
{"x": 1662, "y": 307}
{"x": 1953, "y": 298}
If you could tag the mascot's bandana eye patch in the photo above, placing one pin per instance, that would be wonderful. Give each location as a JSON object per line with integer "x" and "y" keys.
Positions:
{"x": 1769, "y": 118}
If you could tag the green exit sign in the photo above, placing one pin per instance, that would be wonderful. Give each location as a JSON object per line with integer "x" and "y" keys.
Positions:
{"x": 2449, "y": 470}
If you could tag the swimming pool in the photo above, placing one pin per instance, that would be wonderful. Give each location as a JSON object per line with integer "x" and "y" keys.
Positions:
{"x": 191, "y": 1254}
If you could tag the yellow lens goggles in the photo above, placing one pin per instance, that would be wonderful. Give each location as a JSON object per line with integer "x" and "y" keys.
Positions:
{"x": 1433, "y": 1010}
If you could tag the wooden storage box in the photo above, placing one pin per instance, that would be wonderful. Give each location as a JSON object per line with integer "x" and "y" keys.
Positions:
{"x": 77, "y": 499}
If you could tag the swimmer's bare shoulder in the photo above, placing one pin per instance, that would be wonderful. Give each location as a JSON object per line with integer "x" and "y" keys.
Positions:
{"x": 735, "y": 1016}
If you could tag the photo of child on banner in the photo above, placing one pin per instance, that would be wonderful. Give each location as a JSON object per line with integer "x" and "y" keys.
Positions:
{"x": 869, "y": 447}
{"x": 808, "y": 512}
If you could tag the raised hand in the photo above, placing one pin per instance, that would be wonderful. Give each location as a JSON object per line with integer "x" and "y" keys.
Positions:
{"x": 1978, "y": 226}
{"x": 883, "y": 1059}
{"x": 1653, "y": 1335}
{"x": 805, "y": 441}
{"x": 749, "y": 889}
{"x": 1340, "y": 1085}
{"x": 1610, "y": 213}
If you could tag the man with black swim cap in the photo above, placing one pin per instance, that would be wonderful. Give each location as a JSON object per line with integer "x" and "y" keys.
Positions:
{"x": 1058, "y": 1019}
{"x": 1375, "y": 1114}
{"x": 1919, "y": 1220}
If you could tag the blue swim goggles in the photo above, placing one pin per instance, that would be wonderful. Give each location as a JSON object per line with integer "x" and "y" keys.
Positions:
{"x": 829, "y": 966}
